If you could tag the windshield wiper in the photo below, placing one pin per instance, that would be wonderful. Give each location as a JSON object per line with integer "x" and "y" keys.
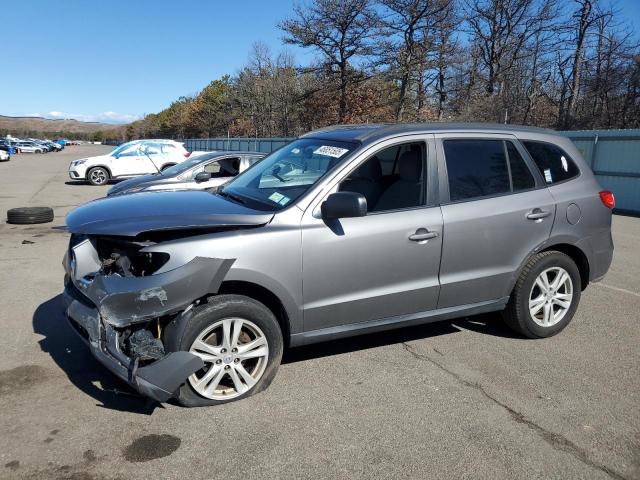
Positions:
{"x": 233, "y": 197}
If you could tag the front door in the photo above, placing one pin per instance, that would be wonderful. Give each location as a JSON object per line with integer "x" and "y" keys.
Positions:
{"x": 496, "y": 210}
{"x": 131, "y": 162}
{"x": 381, "y": 265}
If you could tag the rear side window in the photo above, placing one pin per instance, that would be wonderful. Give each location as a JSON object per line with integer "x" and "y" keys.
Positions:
{"x": 554, "y": 163}
{"x": 476, "y": 168}
{"x": 520, "y": 174}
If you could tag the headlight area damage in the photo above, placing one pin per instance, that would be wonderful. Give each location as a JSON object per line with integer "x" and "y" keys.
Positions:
{"x": 120, "y": 306}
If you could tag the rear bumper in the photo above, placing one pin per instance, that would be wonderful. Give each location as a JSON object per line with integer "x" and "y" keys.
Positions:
{"x": 159, "y": 380}
{"x": 600, "y": 253}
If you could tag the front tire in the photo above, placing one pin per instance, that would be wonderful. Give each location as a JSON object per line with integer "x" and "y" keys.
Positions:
{"x": 545, "y": 297}
{"x": 241, "y": 344}
{"x": 98, "y": 176}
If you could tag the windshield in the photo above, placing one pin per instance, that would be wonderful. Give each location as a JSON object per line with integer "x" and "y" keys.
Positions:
{"x": 186, "y": 165}
{"x": 288, "y": 173}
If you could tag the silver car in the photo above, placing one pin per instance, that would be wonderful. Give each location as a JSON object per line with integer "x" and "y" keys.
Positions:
{"x": 344, "y": 231}
{"x": 199, "y": 172}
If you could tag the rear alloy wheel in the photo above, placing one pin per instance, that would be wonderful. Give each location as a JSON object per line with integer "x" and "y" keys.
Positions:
{"x": 545, "y": 297}
{"x": 98, "y": 176}
{"x": 551, "y": 296}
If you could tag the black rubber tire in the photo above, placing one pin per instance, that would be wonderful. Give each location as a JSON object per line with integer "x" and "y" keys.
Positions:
{"x": 180, "y": 337}
{"x": 517, "y": 315}
{"x": 29, "y": 215}
{"x": 108, "y": 176}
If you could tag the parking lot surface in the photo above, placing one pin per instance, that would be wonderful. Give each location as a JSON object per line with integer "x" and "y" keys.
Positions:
{"x": 459, "y": 399}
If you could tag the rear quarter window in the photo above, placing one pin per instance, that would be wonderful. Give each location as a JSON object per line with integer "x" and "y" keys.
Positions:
{"x": 554, "y": 164}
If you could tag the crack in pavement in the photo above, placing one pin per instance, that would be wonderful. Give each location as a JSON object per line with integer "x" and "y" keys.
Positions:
{"x": 555, "y": 440}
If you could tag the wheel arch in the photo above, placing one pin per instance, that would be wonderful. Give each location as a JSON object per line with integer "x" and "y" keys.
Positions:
{"x": 167, "y": 165}
{"x": 577, "y": 255}
{"x": 264, "y": 296}
{"x": 564, "y": 245}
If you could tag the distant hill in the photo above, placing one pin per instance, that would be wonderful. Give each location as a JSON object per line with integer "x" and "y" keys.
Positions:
{"x": 34, "y": 126}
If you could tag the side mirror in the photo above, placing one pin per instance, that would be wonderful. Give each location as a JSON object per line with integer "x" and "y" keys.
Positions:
{"x": 344, "y": 205}
{"x": 202, "y": 177}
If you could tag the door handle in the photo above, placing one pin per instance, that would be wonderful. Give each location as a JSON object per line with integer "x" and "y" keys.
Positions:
{"x": 538, "y": 214}
{"x": 422, "y": 235}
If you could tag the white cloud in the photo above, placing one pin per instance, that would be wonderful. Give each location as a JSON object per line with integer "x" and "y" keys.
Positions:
{"x": 104, "y": 117}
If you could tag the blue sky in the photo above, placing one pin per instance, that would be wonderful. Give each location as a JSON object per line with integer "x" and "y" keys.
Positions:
{"x": 116, "y": 60}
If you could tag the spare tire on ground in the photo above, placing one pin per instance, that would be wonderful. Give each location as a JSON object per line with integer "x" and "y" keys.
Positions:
{"x": 29, "y": 215}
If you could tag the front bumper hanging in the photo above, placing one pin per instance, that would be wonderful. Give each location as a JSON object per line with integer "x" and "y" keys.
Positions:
{"x": 98, "y": 305}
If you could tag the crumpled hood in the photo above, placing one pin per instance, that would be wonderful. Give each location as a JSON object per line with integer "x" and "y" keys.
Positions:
{"x": 130, "y": 215}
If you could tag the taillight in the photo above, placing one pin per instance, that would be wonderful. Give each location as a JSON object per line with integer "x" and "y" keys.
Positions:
{"x": 186, "y": 154}
{"x": 607, "y": 199}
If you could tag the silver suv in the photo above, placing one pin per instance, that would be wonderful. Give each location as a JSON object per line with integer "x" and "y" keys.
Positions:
{"x": 346, "y": 230}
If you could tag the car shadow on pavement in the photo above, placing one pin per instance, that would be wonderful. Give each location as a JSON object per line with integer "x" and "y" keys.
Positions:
{"x": 486, "y": 324}
{"x": 73, "y": 357}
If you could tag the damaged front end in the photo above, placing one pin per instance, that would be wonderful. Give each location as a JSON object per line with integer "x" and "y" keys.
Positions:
{"x": 119, "y": 299}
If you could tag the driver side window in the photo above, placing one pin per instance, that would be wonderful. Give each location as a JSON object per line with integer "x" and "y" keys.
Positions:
{"x": 392, "y": 179}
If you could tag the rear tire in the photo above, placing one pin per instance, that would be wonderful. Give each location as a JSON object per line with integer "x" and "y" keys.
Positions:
{"x": 29, "y": 215}
{"x": 98, "y": 176}
{"x": 206, "y": 324}
{"x": 545, "y": 297}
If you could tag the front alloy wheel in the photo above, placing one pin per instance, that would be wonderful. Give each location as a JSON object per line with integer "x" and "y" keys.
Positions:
{"x": 235, "y": 353}
{"x": 240, "y": 342}
{"x": 98, "y": 176}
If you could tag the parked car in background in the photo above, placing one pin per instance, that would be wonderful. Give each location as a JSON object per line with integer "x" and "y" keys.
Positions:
{"x": 46, "y": 148}
{"x": 139, "y": 157}
{"x": 8, "y": 147}
{"x": 345, "y": 231}
{"x": 29, "y": 147}
{"x": 199, "y": 172}
{"x": 4, "y": 156}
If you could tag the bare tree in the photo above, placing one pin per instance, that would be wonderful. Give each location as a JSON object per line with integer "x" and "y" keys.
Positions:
{"x": 340, "y": 30}
{"x": 585, "y": 17}
{"x": 502, "y": 28}
{"x": 406, "y": 28}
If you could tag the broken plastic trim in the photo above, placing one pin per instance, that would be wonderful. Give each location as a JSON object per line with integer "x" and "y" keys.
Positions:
{"x": 159, "y": 380}
{"x": 122, "y": 301}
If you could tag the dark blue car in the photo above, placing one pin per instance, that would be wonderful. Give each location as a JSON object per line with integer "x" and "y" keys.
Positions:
{"x": 7, "y": 147}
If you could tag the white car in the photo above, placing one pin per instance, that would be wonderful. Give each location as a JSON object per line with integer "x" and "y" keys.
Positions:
{"x": 29, "y": 147}
{"x": 4, "y": 156}
{"x": 202, "y": 171}
{"x": 139, "y": 157}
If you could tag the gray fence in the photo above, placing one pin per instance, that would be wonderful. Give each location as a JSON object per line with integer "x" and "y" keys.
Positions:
{"x": 264, "y": 145}
{"x": 613, "y": 155}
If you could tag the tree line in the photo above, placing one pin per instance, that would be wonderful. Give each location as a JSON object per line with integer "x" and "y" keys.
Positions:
{"x": 552, "y": 63}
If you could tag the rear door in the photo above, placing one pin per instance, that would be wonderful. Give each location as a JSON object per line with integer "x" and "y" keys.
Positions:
{"x": 496, "y": 210}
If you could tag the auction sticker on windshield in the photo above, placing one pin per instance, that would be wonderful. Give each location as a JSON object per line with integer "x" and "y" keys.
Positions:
{"x": 276, "y": 197}
{"x": 329, "y": 151}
